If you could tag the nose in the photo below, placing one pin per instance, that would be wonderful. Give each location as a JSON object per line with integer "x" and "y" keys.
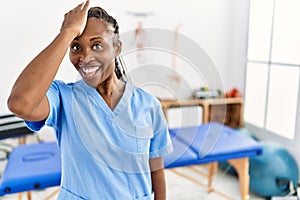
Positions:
{"x": 85, "y": 56}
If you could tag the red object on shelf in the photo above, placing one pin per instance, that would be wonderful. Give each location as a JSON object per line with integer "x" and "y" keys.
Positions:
{"x": 233, "y": 93}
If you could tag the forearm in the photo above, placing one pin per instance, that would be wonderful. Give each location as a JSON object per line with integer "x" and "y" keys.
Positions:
{"x": 159, "y": 184}
{"x": 158, "y": 178}
{"x": 28, "y": 96}
{"x": 33, "y": 83}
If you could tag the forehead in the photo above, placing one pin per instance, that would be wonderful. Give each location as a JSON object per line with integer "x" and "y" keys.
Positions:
{"x": 98, "y": 27}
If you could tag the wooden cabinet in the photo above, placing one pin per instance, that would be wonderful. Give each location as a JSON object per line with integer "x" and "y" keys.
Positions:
{"x": 228, "y": 111}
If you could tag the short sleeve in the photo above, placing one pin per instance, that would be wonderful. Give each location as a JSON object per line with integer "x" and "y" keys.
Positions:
{"x": 161, "y": 144}
{"x": 54, "y": 102}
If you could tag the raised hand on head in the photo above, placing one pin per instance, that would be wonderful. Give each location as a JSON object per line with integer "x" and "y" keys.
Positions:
{"x": 76, "y": 18}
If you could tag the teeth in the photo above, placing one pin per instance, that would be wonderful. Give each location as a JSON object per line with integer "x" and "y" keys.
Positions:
{"x": 89, "y": 69}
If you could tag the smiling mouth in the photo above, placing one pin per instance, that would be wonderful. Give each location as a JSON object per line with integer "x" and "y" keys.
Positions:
{"x": 88, "y": 71}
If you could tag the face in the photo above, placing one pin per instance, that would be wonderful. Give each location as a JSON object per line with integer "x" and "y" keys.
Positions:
{"x": 93, "y": 53}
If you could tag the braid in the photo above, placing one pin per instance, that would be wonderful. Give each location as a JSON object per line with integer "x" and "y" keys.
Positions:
{"x": 118, "y": 70}
{"x": 100, "y": 13}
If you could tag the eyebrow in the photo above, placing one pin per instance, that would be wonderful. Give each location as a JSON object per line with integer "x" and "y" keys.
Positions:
{"x": 93, "y": 38}
{"x": 96, "y": 38}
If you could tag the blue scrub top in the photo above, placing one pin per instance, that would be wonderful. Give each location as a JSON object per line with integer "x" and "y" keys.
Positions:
{"x": 105, "y": 153}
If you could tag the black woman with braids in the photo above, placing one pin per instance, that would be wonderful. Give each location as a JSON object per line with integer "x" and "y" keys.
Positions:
{"x": 111, "y": 135}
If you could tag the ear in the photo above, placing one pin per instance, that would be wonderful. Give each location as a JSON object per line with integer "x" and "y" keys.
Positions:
{"x": 118, "y": 47}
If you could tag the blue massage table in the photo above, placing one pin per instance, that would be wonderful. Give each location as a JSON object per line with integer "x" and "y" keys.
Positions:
{"x": 28, "y": 166}
{"x": 31, "y": 167}
{"x": 212, "y": 143}
{"x": 38, "y": 166}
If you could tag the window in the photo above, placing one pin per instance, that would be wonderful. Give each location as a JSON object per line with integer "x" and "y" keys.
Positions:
{"x": 273, "y": 66}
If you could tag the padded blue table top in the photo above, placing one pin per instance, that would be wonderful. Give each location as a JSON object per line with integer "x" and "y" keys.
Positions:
{"x": 30, "y": 167}
{"x": 207, "y": 143}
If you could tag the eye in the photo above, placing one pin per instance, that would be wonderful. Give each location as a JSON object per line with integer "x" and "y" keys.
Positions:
{"x": 75, "y": 47}
{"x": 97, "y": 47}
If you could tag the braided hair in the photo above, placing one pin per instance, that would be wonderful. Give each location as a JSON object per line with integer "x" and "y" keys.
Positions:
{"x": 100, "y": 13}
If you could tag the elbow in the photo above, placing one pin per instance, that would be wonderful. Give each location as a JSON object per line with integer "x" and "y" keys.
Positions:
{"x": 19, "y": 106}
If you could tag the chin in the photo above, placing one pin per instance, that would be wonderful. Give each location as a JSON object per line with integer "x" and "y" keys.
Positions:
{"x": 90, "y": 83}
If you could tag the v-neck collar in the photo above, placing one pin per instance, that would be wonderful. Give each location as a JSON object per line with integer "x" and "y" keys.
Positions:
{"x": 103, "y": 105}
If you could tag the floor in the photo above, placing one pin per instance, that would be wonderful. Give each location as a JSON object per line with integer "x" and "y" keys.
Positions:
{"x": 183, "y": 189}
{"x": 178, "y": 188}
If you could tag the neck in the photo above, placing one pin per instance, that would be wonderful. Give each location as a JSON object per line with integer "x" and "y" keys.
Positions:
{"x": 108, "y": 87}
{"x": 111, "y": 91}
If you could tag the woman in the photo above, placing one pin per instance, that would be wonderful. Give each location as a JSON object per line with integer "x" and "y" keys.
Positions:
{"x": 111, "y": 135}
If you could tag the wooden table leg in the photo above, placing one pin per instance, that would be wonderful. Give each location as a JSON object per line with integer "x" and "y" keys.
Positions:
{"x": 20, "y": 196}
{"x": 241, "y": 166}
{"x": 212, "y": 170}
{"x": 52, "y": 194}
{"x": 29, "y": 197}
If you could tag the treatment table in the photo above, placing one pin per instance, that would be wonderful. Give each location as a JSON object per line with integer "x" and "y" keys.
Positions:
{"x": 28, "y": 167}
{"x": 38, "y": 166}
{"x": 212, "y": 143}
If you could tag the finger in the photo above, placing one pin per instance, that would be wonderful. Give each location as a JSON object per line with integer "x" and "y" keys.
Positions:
{"x": 78, "y": 8}
{"x": 86, "y": 5}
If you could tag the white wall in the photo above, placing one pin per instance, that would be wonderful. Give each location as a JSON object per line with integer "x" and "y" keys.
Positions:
{"x": 216, "y": 26}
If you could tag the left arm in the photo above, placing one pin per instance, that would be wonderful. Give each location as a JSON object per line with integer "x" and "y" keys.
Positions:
{"x": 158, "y": 178}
